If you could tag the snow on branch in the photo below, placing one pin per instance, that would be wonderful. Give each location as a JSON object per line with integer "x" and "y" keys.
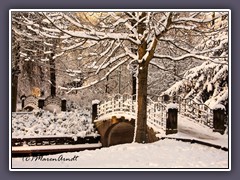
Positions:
{"x": 163, "y": 24}
{"x": 190, "y": 27}
{"x": 185, "y": 56}
{"x": 109, "y": 57}
{"x": 96, "y": 81}
{"x": 77, "y": 24}
{"x": 174, "y": 43}
{"x": 58, "y": 55}
{"x": 25, "y": 35}
{"x": 108, "y": 49}
{"x": 158, "y": 66}
{"x": 113, "y": 59}
{"x": 94, "y": 35}
{"x": 74, "y": 46}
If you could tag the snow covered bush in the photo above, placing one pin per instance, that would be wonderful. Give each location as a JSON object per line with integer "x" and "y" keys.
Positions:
{"x": 42, "y": 123}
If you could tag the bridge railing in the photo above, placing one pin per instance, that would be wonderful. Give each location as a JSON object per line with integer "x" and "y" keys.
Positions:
{"x": 156, "y": 114}
{"x": 201, "y": 113}
{"x": 125, "y": 105}
{"x": 117, "y": 105}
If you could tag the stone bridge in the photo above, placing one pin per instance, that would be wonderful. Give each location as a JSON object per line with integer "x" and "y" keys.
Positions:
{"x": 115, "y": 117}
{"x": 115, "y": 131}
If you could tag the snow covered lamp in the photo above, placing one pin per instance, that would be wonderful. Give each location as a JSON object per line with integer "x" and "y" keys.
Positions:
{"x": 94, "y": 109}
{"x": 172, "y": 115}
{"x": 219, "y": 118}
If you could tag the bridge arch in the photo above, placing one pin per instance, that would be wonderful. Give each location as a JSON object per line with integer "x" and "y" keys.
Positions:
{"x": 30, "y": 107}
{"x": 30, "y": 103}
{"x": 119, "y": 133}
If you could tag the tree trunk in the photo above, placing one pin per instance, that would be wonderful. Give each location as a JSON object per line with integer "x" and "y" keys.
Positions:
{"x": 14, "y": 92}
{"x": 141, "y": 129}
{"x": 15, "y": 73}
{"x": 141, "y": 132}
{"x": 134, "y": 85}
{"x": 52, "y": 75}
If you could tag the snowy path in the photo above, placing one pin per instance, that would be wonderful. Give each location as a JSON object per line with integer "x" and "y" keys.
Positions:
{"x": 189, "y": 129}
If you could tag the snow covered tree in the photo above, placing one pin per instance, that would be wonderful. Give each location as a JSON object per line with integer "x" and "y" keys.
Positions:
{"x": 208, "y": 82}
{"x": 108, "y": 40}
{"x": 31, "y": 72}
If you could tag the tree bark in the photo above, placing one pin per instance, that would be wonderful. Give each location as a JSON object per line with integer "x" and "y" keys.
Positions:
{"x": 52, "y": 75}
{"x": 141, "y": 132}
{"x": 134, "y": 85}
{"x": 15, "y": 73}
{"x": 14, "y": 92}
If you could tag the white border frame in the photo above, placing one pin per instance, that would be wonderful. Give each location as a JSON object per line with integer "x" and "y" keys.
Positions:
{"x": 119, "y": 10}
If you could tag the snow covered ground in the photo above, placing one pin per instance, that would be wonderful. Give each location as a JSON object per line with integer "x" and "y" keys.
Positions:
{"x": 161, "y": 154}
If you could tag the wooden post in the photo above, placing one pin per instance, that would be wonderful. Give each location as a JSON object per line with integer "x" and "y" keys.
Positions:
{"x": 134, "y": 86}
{"x": 218, "y": 119}
{"x": 52, "y": 75}
{"x": 23, "y": 97}
{"x": 94, "y": 109}
{"x": 171, "y": 124}
{"x": 64, "y": 105}
{"x": 41, "y": 103}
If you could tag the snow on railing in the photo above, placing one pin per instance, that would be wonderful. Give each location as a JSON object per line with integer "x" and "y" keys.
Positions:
{"x": 156, "y": 115}
{"x": 125, "y": 105}
{"x": 201, "y": 113}
{"x": 119, "y": 105}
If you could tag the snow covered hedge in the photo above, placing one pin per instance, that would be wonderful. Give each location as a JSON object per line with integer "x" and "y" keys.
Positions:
{"x": 43, "y": 123}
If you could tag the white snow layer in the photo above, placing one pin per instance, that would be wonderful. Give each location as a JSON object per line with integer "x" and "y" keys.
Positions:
{"x": 219, "y": 106}
{"x": 161, "y": 154}
{"x": 172, "y": 106}
{"x": 43, "y": 124}
{"x": 95, "y": 101}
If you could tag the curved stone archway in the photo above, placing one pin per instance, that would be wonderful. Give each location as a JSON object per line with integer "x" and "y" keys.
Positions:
{"x": 119, "y": 133}
{"x": 30, "y": 107}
